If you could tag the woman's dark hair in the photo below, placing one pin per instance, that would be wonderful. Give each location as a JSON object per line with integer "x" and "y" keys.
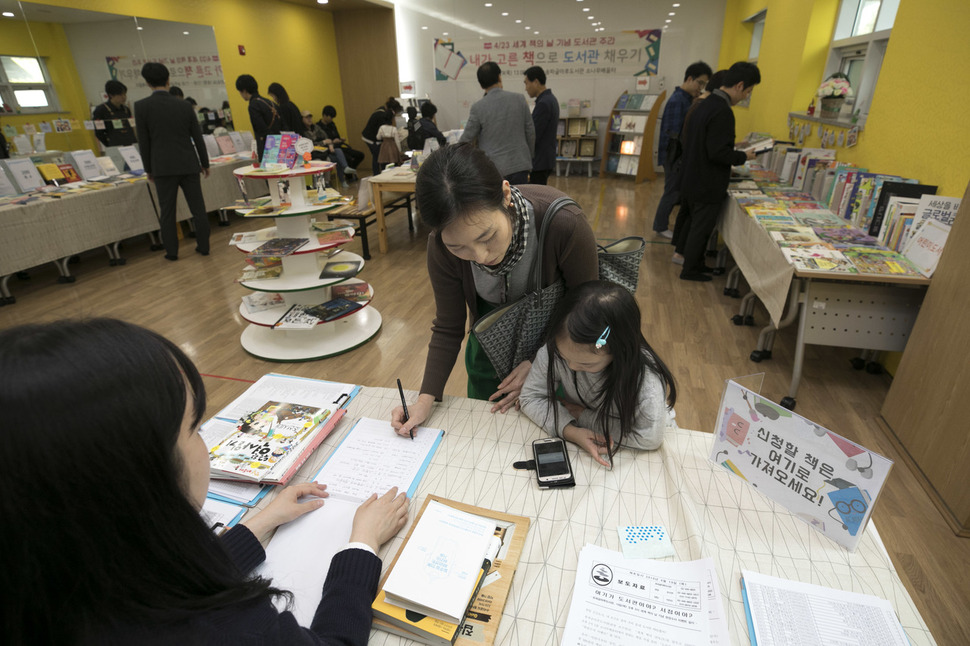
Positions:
{"x": 246, "y": 83}
{"x": 717, "y": 80}
{"x": 584, "y": 313}
{"x": 279, "y": 92}
{"x": 428, "y": 109}
{"x": 393, "y": 106}
{"x": 176, "y": 91}
{"x": 329, "y": 111}
{"x": 97, "y": 526}
{"x": 455, "y": 181}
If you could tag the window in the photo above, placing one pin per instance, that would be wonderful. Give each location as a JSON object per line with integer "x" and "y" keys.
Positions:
{"x": 25, "y": 85}
{"x": 757, "y": 22}
{"x": 858, "y": 46}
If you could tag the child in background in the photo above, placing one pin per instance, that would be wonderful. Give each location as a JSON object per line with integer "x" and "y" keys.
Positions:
{"x": 615, "y": 389}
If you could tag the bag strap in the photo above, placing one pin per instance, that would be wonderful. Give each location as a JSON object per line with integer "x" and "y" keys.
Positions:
{"x": 535, "y": 272}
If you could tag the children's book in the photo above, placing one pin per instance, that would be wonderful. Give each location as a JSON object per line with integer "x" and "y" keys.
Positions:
{"x": 925, "y": 247}
{"x": 776, "y": 609}
{"x": 818, "y": 260}
{"x": 51, "y": 174}
{"x": 933, "y": 207}
{"x": 260, "y": 273}
{"x": 226, "y": 147}
{"x": 265, "y": 211}
{"x": 792, "y": 235}
{"x": 341, "y": 269}
{"x": 371, "y": 458}
{"x": 287, "y": 153}
{"x": 338, "y": 237}
{"x": 845, "y": 237}
{"x": 298, "y": 317}
{"x": 108, "y": 166}
{"x": 246, "y": 237}
{"x": 271, "y": 151}
{"x": 907, "y": 188}
{"x": 359, "y": 292}
{"x": 279, "y": 246}
{"x": 880, "y": 262}
{"x": 262, "y": 301}
{"x": 211, "y": 146}
{"x": 70, "y": 174}
{"x": 331, "y": 225}
{"x": 334, "y": 309}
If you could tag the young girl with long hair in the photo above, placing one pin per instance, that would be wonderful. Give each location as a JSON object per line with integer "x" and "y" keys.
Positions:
{"x": 102, "y": 538}
{"x": 616, "y": 391}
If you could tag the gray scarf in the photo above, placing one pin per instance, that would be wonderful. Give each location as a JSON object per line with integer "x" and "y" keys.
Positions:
{"x": 520, "y": 211}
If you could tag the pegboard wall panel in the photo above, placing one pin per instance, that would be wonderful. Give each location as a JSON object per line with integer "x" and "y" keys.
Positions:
{"x": 867, "y": 316}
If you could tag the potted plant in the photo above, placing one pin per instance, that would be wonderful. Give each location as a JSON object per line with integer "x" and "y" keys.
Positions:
{"x": 832, "y": 94}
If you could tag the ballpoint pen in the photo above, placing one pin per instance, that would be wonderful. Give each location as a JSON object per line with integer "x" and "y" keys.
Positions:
{"x": 404, "y": 405}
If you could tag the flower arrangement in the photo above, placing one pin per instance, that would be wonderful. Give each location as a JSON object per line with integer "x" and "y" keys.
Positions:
{"x": 835, "y": 87}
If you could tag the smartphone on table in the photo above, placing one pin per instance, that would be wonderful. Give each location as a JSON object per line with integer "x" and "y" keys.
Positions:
{"x": 552, "y": 461}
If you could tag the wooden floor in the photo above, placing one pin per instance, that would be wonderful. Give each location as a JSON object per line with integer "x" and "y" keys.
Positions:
{"x": 195, "y": 303}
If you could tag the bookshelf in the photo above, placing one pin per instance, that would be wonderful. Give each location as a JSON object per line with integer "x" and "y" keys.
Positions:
{"x": 577, "y": 137}
{"x": 300, "y": 282}
{"x": 629, "y": 139}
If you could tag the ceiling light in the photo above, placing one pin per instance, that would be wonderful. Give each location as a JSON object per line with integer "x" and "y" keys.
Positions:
{"x": 488, "y": 4}
{"x": 185, "y": 33}
{"x": 671, "y": 14}
{"x": 322, "y": 1}
{"x": 668, "y": 19}
{"x": 518, "y": 22}
{"x": 585, "y": 8}
{"x": 140, "y": 28}
{"x": 505, "y": 13}
{"x": 535, "y": 32}
{"x": 424, "y": 27}
{"x": 8, "y": 14}
{"x": 444, "y": 33}
{"x": 676, "y": 4}
{"x": 528, "y": 27}
{"x": 589, "y": 17}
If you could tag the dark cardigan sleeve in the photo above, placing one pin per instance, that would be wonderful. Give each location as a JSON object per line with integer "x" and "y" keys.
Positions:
{"x": 448, "y": 326}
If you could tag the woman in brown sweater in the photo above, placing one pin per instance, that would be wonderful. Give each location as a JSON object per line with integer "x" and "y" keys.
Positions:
{"x": 483, "y": 239}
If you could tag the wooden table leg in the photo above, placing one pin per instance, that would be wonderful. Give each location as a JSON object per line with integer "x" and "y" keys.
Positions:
{"x": 379, "y": 212}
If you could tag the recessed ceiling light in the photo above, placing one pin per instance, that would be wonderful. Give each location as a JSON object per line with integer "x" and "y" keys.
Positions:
{"x": 140, "y": 28}
{"x": 535, "y": 32}
{"x": 488, "y": 4}
{"x": 8, "y": 14}
{"x": 505, "y": 13}
{"x": 676, "y": 4}
{"x": 518, "y": 22}
{"x": 322, "y": 1}
{"x": 668, "y": 19}
{"x": 589, "y": 17}
{"x": 671, "y": 14}
{"x": 445, "y": 33}
{"x": 185, "y": 33}
{"x": 585, "y": 8}
{"x": 424, "y": 27}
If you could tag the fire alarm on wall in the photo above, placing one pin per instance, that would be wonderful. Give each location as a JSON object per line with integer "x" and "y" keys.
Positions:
{"x": 242, "y": 50}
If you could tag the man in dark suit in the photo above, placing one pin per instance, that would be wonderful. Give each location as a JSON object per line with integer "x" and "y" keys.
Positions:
{"x": 709, "y": 153}
{"x": 545, "y": 118}
{"x": 167, "y": 127}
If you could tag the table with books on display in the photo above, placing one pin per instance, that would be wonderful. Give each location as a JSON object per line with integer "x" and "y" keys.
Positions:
{"x": 824, "y": 244}
{"x": 703, "y": 512}
{"x": 306, "y": 302}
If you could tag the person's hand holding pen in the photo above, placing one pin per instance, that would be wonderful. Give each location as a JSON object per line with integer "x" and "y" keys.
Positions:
{"x": 418, "y": 412}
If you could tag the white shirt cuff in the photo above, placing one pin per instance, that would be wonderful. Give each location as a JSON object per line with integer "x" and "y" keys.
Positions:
{"x": 358, "y": 546}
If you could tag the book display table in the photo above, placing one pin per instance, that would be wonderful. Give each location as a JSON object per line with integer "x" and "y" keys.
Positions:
{"x": 393, "y": 180}
{"x": 874, "y": 313}
{"x": 300, "y": 282}
{"x": 706, "y": 511}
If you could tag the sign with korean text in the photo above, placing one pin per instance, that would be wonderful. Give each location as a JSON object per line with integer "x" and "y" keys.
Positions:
{"x": 625, "y": 53}
{"x": 185, "y": 69}
{"x": 824, "y": 479}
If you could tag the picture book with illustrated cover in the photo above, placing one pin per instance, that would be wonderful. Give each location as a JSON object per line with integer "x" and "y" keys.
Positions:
{"x": 279, "y": 246}
{"x": 283, "y": 186}
{"x": 822, "y": 218}
{"x": 266, "y": 211}
{"x": 226, "y": 147}
{"x": 341, "y": 269}
{"x": 788, "y": 235}
{"x": 245, "y": 237}
{"x": 331, "y": 238}
{"x": 331, "y": 225}
{"x": 271, "y": 151}
{"x": 845, "y": 237}
{"x": 298, "y": 317}
{"x": 51, "y": 174}
{"x": 905, "y": 188}
{"x": 357, "y": 292}
{"x": 263, "y": 438}
{"x": 70, "y": 174}
{"x": 262, "y": 301}
{"x": 820, "y": 260}
{"x": 881, "y": 262}
{"x": 264, "y": 261}
{"x": 260, "y": 273}
{"x": 334, "y": 309}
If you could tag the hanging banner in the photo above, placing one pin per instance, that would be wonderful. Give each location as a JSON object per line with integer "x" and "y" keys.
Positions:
{"x": 186, "y": 70}
{"x": 625, "y": 53}
{"x": 824, "y": 479}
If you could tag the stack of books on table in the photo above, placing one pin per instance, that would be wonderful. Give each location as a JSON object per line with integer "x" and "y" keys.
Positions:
{"x": 430, "y": 593}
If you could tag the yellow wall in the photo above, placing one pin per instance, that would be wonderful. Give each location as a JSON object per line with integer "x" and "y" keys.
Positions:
{"x": 51, "y": 42}
{"x": 285, "y": 43}
{"x": 915, "y": 126}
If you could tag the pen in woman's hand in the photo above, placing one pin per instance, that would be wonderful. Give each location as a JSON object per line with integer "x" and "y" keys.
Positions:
{"x": 404, "y": 405}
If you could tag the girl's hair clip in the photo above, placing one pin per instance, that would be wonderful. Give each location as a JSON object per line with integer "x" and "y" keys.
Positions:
{"x": 600, "y": 342}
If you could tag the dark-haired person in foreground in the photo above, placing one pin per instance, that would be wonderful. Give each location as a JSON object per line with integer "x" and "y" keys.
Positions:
{"x": 115, "y": 108}
{"x": 483, "y": 241}
{"x": 501, "y": 124}
{"x": 545, "y": 119}
{"x": 262, "y": 112}
{"x": 695, "y": 80}
{"x": 167, "y": 128}
{"x": 103, "y": 541}
{"x": 709, "y": 154}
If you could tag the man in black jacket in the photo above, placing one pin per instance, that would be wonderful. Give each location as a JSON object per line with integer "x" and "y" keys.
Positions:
{"x": 167, "y": 126}
{"x": 545, "y": 118}
{"x": 262, "y": 112}
{"x": 709, "y": 153}
{"x": 112, "y": 110}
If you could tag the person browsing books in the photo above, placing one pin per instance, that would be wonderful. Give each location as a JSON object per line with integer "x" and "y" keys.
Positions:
{"x": 103, "y": 539}
{"x": 262, "y": 112}
{"x": 115, "y": 109}
{"x": 615, "y": 388}
{"x": 480, "y": 253}
{"x": 382, "y": 116}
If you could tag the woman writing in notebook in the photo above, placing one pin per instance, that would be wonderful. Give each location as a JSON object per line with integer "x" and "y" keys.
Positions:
{"x": 480, "y": 251}
{"x": 103, "y": 542}
{"x": 615, "y": 389}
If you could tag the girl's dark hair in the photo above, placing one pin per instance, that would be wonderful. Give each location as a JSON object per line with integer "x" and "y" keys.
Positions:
{"x": 455, "y": 181}
{"x": 97, "y": 527}
{"x": 393, "y": 105}
{"x": 279, "y": 92}
{"x": 428, "y": 109}
{"x": 584, "y": 313}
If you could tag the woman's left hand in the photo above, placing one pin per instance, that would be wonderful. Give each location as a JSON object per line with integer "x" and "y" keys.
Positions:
{"x": 286, "y": 507}
{"x": 511, "y": 387}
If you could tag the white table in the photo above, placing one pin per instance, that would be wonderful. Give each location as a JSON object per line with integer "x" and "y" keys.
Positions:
{"x": 708, "y": 512}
